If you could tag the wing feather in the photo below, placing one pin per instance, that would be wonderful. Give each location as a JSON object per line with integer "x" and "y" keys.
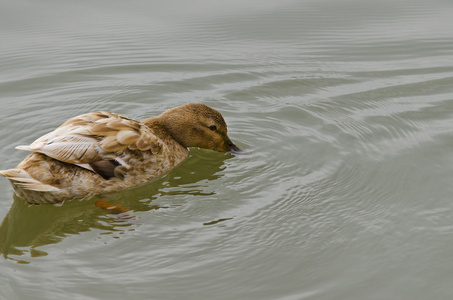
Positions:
{"x": 95, "y": 136}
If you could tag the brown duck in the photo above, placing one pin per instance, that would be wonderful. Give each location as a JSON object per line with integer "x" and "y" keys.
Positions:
{"x": 102, "y": 152}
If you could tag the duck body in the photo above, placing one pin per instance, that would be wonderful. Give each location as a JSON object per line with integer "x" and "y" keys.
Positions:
{"x": 103, "y": 152}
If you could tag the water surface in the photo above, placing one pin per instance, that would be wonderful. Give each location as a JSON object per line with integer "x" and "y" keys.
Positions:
{"x": 346, "y": 108}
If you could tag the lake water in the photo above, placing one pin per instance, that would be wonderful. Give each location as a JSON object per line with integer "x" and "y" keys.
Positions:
{"x": 345, "y": 108}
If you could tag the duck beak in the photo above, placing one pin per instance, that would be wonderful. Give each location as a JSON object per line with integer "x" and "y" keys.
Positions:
{"x": 233, "y": 148}
{"x": 228, "y": 146}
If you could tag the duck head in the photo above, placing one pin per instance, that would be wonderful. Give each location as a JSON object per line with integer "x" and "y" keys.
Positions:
{"x": 198, "y": 125}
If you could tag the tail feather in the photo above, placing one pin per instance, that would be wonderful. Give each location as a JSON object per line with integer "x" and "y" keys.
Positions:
{"x": 24, "y": 147}
{"x": 22, "y": 179}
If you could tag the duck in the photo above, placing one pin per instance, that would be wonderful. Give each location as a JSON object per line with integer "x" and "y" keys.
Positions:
{"x": 104, "y": 152}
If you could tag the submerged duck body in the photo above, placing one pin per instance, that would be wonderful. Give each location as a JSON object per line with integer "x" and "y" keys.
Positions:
{"x": 104, "y": 152}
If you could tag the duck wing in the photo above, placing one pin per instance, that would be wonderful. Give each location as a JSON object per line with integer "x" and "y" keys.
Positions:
{"x": 94, "y": 137}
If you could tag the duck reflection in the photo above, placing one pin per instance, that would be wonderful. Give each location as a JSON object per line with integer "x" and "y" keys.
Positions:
{"x": 25, "y": 228}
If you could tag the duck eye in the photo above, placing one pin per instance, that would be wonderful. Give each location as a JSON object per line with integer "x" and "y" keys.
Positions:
{"x": 213, "y": 127}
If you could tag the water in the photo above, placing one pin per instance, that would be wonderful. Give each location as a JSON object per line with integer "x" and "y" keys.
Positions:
{"x": 346, "y": 108}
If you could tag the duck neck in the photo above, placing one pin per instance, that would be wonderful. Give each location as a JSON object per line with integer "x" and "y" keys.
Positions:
{"x": 163, "y": 131}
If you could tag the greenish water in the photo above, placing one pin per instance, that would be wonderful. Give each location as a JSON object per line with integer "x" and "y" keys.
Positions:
{"x": 346, "y": 108}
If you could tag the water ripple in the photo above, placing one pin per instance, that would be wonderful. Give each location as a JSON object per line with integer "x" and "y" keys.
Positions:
{"x": 345, "y": 109}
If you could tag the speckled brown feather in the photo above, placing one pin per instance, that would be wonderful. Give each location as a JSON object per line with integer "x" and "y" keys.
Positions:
{"x": 93, "y": 137}
{"x": 129, "y": 152}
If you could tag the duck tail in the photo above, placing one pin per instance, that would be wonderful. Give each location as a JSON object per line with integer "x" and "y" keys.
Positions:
{"x": 22, "y": 179}
{"x": 24, "y": 147}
